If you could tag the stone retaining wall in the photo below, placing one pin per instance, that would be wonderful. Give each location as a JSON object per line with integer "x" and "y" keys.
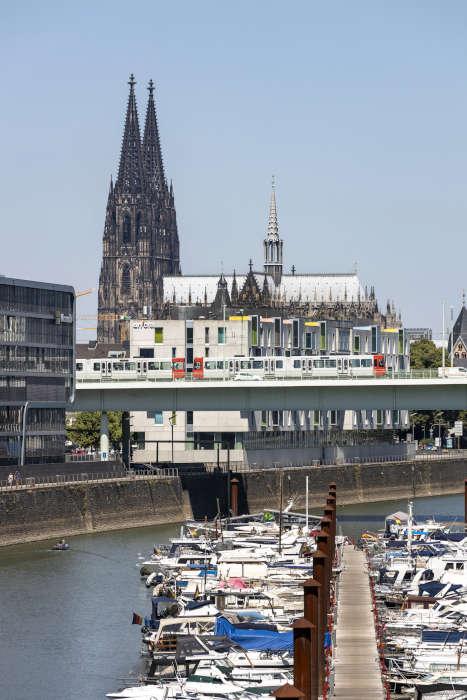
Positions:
{"x": 55, "y": 511}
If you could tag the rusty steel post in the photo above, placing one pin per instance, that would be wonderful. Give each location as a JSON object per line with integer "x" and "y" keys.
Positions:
{"x": 234, "y": 496}
{"x": 319, "y": 575}
{"x": 288, "y": 692}
{"x": 330, "y": 512}
{"x": 323, "y": 543}
{"x": 302, "y": 652}
{"x": 311, "y": 612}
{"x": 326, "y": 524}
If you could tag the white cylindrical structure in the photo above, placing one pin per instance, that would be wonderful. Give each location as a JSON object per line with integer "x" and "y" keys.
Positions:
{"x": 104, "y": 442}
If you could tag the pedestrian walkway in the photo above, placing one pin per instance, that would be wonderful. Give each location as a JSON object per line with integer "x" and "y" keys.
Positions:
{"x": 356, "y": 656}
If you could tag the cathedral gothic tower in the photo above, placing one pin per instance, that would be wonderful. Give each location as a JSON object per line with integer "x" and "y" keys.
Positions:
{"x": 140, "y": 242}
{"x": 273, "y": 245}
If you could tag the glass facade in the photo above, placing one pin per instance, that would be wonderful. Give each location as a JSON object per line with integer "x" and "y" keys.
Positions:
{"x": 37, "y": 335}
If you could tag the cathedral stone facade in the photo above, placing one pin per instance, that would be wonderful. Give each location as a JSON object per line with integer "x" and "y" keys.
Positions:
{"x": 271, "y": 292}
{"x": 140, "y": 243}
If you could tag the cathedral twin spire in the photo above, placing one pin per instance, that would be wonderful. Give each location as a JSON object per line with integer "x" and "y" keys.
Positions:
{"x": 141, "y": 165}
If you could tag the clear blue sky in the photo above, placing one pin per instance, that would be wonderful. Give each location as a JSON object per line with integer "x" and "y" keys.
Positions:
{"x": 359, "y": 108}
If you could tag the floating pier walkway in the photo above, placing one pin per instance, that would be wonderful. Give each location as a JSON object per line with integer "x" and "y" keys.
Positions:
{"x": 357, "y": 670}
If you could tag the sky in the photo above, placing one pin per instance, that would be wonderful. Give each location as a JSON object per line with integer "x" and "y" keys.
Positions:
{"x": 359, "y": 109}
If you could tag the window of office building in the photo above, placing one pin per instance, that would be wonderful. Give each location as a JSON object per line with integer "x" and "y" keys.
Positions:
{"x": 206, "y": 335}
{"x": 158, "y": 335}
{"x": 221, "y": 335}
{"x": 189, "y": 335}
{"x": 344, "y": 339}
{"x": 333, "y": 417}
{"x": 356, "y": 344}
{"x": 189, "y": 417}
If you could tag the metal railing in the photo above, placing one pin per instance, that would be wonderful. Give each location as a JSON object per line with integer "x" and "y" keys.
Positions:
{"x": 210, "y": 468}
{"x": 31, "y": 482}
{"x": 305, "y": 376}
{"x": 259, "y": 440}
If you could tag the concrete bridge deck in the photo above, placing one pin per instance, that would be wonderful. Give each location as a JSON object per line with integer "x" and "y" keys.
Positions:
{"x": 356, "y": 659}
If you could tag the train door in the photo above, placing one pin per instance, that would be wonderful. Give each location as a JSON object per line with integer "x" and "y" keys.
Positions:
{"x": 142, "y": 368}
{"x": 342, "y": 365}
{"x": 178, "y": 368}
{"x": 198, "y": 368}
{"x": 106, "y": 368}
{"x": 379, "y": 365}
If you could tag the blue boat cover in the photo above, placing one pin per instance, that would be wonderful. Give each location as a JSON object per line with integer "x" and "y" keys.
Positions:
{"x": 443, "y": 636}
{"x": 434, "y": 587}
{"x": 254, "y": 639}
{"x": 430, "y": 587}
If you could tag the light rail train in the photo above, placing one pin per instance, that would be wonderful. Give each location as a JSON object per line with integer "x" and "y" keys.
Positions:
{"x": 233, "y": 367}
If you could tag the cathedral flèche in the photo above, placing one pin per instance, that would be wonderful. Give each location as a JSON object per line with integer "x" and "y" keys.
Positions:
{"x": 140, "y": 243}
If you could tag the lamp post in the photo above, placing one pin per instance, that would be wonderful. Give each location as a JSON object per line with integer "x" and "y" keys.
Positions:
{"x": 439, "y": 423}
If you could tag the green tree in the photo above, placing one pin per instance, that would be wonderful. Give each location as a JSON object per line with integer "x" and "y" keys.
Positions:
{"x": 424, "y": 354}
{"x": 84, "y": 429}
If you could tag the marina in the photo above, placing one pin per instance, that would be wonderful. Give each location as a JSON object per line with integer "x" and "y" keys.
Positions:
{"x": 80, "y": 605}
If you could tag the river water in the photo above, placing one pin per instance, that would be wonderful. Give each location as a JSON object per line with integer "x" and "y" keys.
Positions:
{"x": 65, "y": 631}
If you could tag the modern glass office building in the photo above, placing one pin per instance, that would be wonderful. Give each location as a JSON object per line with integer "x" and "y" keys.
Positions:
{"x": 37, "y": 337}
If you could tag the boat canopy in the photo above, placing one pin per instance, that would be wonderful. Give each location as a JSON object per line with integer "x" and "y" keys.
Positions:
{"x": 254, "y": 637}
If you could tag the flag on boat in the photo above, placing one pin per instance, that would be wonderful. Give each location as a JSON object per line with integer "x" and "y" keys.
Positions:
{"x": 137, "y": 619}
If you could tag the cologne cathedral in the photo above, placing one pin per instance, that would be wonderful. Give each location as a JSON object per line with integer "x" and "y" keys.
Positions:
{"x": 140, "y": 243}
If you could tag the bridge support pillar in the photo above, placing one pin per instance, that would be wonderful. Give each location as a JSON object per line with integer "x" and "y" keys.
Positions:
{"x": 104, "y": 441}
{"x": 126, "y": 444}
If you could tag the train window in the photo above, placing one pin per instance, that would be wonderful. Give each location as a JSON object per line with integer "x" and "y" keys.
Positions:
{"x": 165, "y": 365}
{"x": 118, "y": 367}
{"x": 79, "y": 366}
{"x": 130, "y": 366}
{"x": 381, "y": 362}
{"x": 179, "y": 364}
{"x": 296, "y": 364}
{"x": 244, "y": 364}
{"x": 220, "y": 364}
{"x": 330, "y": 363}
{"x": 279, "y": 364}
{"x": 96, "y": 366}
{"x": 354, "y": 362}
{"x": 257, "y": 364}
{"x": 366, "y": 362}
{"x": 210, "y": 364}
{"x": 153, "y": 366}
{"x": 319, "y": 364}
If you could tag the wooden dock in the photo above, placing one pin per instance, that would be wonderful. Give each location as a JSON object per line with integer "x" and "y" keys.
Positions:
{"x": 357, "y": 668}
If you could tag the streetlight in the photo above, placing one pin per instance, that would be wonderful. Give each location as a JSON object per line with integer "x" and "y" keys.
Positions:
{"x": 439, "y": 424}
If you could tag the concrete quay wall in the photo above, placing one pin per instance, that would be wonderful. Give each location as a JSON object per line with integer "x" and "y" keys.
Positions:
{"x": 356, "y": 483}
{"x": 70, "y": 509}
{"x": 73, "y": 509}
